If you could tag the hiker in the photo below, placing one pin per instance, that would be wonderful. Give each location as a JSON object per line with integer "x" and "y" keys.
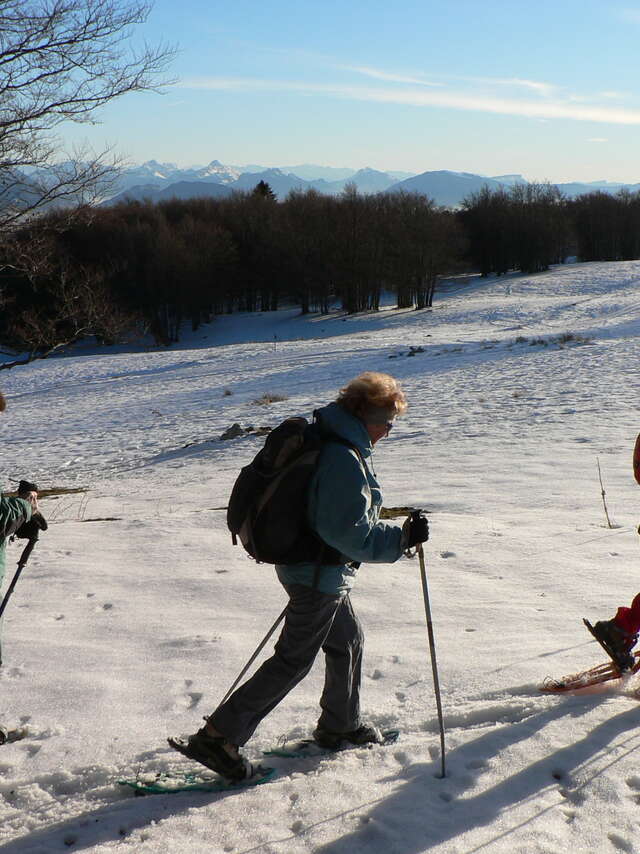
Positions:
{"x": 620, "y": 634}
{"x": 344, "y": 502}
{"x": 16, "y": 517}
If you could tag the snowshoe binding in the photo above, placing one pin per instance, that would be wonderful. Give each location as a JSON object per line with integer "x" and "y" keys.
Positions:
{"x": 210, "y": 751}
{"x": 364, "y": 734}
{"x": 615, "y": 641}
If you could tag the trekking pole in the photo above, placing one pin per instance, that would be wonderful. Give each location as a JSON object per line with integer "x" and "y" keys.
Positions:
{"x": 24, "y": 557}
{"x": 432, "y": 648}
{"x": 261, "y": 646}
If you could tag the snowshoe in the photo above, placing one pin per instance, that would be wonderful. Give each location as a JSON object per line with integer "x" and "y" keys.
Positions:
{"x": 306, "y": 747}
{"x": 172, "y": 782}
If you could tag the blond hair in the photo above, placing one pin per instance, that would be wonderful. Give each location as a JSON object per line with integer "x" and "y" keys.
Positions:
{"x": 373, "y": 392}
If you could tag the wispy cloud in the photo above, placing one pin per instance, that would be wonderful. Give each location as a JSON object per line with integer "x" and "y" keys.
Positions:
{"x": 546, "y": 89}
{"x": 613, "y": 95}
{"x": 389, "y": 76}
{"x": 597, "y": 139}
{"x": 541, "y": 88}
{"x": 537, "y": 86}
{"x": 550, "y": 108}
{"x": 629, "y": 14}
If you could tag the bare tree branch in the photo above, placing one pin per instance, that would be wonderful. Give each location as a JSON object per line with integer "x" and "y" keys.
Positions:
{"x": 60, "y": 61}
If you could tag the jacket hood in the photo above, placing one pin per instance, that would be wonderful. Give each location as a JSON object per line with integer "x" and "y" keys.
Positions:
{"x": 333, "y": 418}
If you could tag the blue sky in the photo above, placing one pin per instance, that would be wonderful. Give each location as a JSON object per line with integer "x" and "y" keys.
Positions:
{"x": 550, "y": 90}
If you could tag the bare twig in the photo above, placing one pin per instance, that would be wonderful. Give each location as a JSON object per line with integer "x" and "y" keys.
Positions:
{"x": 602, "y": 492}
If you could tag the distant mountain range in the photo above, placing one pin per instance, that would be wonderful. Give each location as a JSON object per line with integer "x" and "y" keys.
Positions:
{"x": 155, "y": 182}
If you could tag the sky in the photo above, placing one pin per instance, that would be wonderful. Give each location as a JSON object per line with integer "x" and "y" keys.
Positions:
{"x": 549, "y": 90}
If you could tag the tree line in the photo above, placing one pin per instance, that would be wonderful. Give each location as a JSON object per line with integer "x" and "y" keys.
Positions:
{"x": 142, "y": 267}
{"x": 153, "y": 267}
{"x": 531, "y": 226}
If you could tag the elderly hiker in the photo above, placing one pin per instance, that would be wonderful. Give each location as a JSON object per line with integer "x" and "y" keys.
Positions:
{"x": 343, "y": 509}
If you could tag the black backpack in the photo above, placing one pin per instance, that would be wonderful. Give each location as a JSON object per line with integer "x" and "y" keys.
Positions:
{"x": 268, "y": 505}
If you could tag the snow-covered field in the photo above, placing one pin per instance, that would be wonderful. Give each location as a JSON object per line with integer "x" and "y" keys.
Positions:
{"x": 136, "y": 612}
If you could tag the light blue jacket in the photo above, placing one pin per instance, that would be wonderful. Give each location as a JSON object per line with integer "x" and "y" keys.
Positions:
{"x": 344, "y": 508}
{"x": 13, "y": 512}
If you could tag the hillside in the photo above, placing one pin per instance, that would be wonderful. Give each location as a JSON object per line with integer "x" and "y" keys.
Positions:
{"x": 136, "y": 612}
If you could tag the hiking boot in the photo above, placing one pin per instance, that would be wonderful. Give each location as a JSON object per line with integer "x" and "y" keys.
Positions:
{"x": 210, "y": 751}
{"x": 364, "y": 734}
{"x": 618, "y": 642}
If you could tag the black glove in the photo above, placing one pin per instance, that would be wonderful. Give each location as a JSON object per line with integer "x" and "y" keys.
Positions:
{"x": 417, "y": 529}
{"x": 30, "y": 530}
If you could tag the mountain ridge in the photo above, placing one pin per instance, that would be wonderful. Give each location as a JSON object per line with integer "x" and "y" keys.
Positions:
{"x": 157, "y": 181}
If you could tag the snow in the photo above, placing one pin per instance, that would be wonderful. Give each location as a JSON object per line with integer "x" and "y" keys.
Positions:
{"x": 136, "y": 613}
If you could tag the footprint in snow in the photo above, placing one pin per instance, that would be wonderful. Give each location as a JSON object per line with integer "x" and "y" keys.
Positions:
{"x": 15, "y": 672}
{"x": 577, "y": 798}
{"x": 184, "y": 697}
{"x": 476, "y": 764}
{"x": 195, "y": 697}
{"x": 189, "y": 642}
{"x": 31, "y": 749}
{"x": 621, "y": 843}
{"x": 434, "y": 752}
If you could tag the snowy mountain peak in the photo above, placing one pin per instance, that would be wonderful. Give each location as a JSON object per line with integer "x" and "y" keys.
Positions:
{"x": 509, "y": 179}
{"x": 156, "y": 168}
{"x": 226, "y": 173}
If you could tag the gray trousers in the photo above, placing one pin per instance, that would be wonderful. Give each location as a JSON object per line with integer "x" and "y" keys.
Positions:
{"x": 313, "y": 621}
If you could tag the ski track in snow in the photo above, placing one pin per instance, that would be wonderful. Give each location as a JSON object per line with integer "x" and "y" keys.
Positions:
{"x": 135, "y": 612}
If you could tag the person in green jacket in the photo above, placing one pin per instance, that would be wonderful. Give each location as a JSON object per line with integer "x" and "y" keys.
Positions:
{"x": 14, "y": 513}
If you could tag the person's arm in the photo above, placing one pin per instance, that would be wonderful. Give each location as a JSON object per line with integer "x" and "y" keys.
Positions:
{"x": 14, "y": 512}
{"x": 342, "y": 513}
